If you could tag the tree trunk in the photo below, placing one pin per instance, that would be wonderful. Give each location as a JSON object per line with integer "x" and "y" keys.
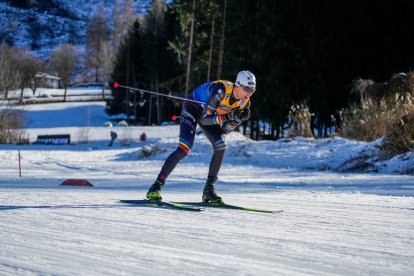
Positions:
{"x": 211, "y": 49}
{"x": 221, "y": 51}
{"x": 190, "y": 49}
{"x": 66, "y": 89}
{"x": 127, "y": 80}
{"x": 21, "y": 94}
{"x": 150, "y": 111}
{"x": 103, "y": 90}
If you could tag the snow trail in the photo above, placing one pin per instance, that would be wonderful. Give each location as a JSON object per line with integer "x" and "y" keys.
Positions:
{"x": 334, "y": 223}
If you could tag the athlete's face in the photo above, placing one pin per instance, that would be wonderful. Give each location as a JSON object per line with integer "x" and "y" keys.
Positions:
{"x": 241, "y": 93}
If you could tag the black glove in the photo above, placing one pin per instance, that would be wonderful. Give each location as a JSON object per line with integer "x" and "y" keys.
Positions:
{"x": 237, "y": 115}
{"x": 243, "y": 114}
{"x": 232, "y": 116}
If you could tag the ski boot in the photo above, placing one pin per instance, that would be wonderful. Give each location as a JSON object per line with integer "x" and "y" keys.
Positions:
{"x": 209, "y": 195}
{"x": 154, "y": 192}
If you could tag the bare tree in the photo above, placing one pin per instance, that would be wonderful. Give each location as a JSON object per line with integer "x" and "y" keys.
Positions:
{"x": 11, "y": 120}
{"x": 105, "y": 71}
{"x": 124, "y": 17}
{"x": 11, "y": 123}
{"x": 10, "y": 77}
{"x": 28, "y": 66}
{"x": 36, "y": 66}
{"x": 63, "y": 60}
{"x": 119, "y": 30}
{"x": 97, "y": 32}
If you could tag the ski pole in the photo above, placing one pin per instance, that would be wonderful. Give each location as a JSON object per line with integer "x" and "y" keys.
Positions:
{"x": 116, "y": 85}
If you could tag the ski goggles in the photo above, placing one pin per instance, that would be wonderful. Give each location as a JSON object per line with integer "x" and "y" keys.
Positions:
{"x": 247, "y": 89}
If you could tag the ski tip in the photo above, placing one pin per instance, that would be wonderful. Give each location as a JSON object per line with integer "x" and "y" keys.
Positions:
{"x": 278, "y": 211}
{"x": 229, "y": 206}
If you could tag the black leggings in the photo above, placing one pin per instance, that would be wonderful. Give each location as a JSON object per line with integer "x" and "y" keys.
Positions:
{"x": 190, "y": 116}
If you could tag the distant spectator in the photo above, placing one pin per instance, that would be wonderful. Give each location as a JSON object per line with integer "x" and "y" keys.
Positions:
{"x": 113, "y": 137}
{"x": 143, "y": 137}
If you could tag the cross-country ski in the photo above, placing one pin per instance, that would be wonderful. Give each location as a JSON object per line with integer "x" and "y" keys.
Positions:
{"x": 165, "y": 204}
{"x": 228, "y": 206}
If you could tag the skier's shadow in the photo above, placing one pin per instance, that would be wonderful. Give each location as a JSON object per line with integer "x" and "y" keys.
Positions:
{"x": 95, "y": 206}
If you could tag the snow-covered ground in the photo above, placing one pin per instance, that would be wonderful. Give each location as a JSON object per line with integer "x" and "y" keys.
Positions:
{"x": 334, "y": 223}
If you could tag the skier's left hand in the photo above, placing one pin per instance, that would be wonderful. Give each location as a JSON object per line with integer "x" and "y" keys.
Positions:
{"x": 243, "y": 114}
{"x": 232, "y": 116}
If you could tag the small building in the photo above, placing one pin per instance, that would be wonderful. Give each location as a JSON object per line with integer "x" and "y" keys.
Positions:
{"x": 48, "y": 81}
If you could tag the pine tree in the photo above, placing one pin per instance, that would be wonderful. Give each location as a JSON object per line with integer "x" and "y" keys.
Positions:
{"x": 128, "y": 70}
{"x": 204, "y": 11}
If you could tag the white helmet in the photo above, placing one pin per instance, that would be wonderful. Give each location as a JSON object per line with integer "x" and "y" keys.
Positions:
{"x": 246, "y": 79}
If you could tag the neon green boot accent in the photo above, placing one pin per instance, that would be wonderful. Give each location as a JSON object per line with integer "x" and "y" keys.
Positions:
{"x": 154, "y": 192}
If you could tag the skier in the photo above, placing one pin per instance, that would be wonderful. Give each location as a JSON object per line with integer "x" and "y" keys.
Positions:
{"x": 227, "y": 105}
{"x": 113, "y": 137}
{"x": 143, "y": 137}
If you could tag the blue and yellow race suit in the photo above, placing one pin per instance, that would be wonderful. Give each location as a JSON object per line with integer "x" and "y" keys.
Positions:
{"x": 219, "y": 100}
